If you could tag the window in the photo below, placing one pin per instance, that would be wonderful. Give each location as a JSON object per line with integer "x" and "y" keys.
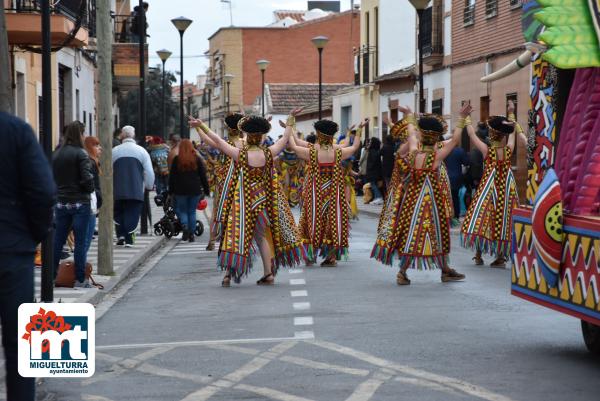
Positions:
{"x": 77, "y": 104}
{"x": 469, "y": 13}
{"x": 514, "y": 4}
{"x": 437, "y": 107}
{"x": 346, "y": 117}
{"x": 491, "y": 8}
{"x": 426, "y": 32}
{"x": 20, "y": 103}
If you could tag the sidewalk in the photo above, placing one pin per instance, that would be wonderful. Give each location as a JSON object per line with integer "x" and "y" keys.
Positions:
{"x": 124, "y": 261}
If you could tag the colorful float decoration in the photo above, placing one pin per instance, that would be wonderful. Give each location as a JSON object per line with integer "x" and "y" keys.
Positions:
{"x": 556, "y": 240}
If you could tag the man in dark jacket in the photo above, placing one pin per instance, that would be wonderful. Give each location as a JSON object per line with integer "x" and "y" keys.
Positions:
{"x": 387, "y": 159}
{"x": 27, "y": 194}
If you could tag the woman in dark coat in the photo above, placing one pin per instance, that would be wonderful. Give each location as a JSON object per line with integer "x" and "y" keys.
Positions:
{"x": 374, "y": 173}
{"x": 387, "y": 159}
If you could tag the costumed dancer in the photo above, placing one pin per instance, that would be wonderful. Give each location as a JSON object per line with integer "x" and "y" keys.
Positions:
{"x": 350, "y": 174}
{"x": 324, "y": 225}
{"x": 223, "y": 166}
{"x": 487, "y": 226}
{"x": 289, "y": 168}
{"x": 420, "y": 233}
{"x": 254, "y": 205}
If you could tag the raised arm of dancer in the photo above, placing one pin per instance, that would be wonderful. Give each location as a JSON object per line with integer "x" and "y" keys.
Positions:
{"x": 226, "y": 148}
{"x": 465, "y": 112}
{"x": 301, "y": 151}
{"x": 278, "y": 146}
{"x": 413, "y": 138}
{"x": 347, "y": 152}
{"x": 205, "y": 137}
{"x": 518, "y": 129}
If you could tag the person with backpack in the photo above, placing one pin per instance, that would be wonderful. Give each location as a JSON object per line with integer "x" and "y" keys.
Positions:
{"x": 159, "y": 154}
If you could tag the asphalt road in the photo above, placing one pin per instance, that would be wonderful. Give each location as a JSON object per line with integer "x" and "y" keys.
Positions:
{"x": 345, "y": 333}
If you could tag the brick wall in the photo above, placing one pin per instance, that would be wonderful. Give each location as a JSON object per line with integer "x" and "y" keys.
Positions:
{"x": 485, "y": 35}
{"x": 466, "y": 86}
{"x": 293, "y": 57}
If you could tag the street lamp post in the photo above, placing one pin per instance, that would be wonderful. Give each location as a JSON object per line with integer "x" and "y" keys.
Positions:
{"x": 262, "y": 66}
{"x": 181, "y": 24}
{"x": 209, "y": 86}
{"x": 420, "y": 6}
{"x": 320, "y": 42}
{"x": 164, "y": 55}
{"x": 228, "y": 78}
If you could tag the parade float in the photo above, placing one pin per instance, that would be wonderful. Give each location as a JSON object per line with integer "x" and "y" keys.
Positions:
{"x": 556, "y": 237}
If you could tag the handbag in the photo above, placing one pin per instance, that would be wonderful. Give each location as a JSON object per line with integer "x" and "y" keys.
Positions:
{"x": 66, "y": 277}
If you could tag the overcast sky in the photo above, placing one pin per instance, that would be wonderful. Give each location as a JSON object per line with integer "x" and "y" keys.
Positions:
{"x": 208, "y": 17}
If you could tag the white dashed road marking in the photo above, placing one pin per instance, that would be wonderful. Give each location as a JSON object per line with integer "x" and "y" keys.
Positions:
{"x": 301, "y": 305}
{"x": 303, "y": 321}
{"x": 297, "y": 281}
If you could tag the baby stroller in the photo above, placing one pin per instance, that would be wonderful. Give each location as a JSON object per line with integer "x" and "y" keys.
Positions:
{"x": 169, "y": 225}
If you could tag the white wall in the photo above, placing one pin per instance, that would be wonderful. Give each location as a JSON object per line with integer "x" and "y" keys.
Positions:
{"x": 404, "y": 99}
{"x": 82, "y": 79}
{"x": 306, "y": 127}
{"x": 351, "y": 99}
{"x": 435, "y": 80}
{"x": 397, "y": 39}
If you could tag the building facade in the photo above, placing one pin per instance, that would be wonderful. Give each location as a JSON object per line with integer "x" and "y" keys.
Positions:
{"x": 499, "y": 22}
{"x": 381, "y": 54}
{"x": 293, "y": 59}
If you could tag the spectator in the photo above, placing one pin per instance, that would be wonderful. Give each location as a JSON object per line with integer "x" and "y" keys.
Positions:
{"x": 175, "y": 141}
{"x": 456, "y": 160}
{"x": 374, "y": 174}
{"x": 387, "y": 159}
{"x": 72, "y": 170}
{"x": 116, "y": 137}
{"x": 136, "y": 17}
{"x": 189, "y": 184}
{"x": 311, "y": 138}
{"x": 476, "y": 157}
{"x": 27, "y": 194}
{"x": 94, "y": 150}
{"x": 132, "y": 173}
{"x": 159, "y": 154}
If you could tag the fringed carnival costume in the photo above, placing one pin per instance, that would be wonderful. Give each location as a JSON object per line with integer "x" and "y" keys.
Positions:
{"x": 254, "y": 208}
{"x": 386, "y": 244}
{"x": 290, "y": 171}
{"x": 487, "y": 226}
{"x": 223, "y": 168}
{"x": 347, "y": 140}
{"x": 324, "y": 224}
{"x": 414, "y": 226}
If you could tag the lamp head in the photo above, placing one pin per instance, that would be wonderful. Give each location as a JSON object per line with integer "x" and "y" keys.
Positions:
{"x": 419, "y": 4}
{"x": 181, "y": 23}
{"x": 228, "y": 78}
{"x": 320, "y": 41}
{"x": 163, "y": 54}
{"x": 262, "y": 64}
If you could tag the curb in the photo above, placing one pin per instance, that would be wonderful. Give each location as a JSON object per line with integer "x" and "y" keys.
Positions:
{"x": 95, "y": 297}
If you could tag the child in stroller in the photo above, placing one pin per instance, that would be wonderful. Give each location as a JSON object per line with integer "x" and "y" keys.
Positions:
{"x": 169, "y": 224}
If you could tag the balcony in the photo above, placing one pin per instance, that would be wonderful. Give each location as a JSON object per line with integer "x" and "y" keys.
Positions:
{"x": 126, "y": 54}
{"x": 71, "y": 23}
{"x": 430, "y": 38}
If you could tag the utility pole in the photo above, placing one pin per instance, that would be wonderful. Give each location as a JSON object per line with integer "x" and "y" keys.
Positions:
{"x": 105, "y": 127}
{"x": 5, "y": 81}
{"x": 46, "y": 139}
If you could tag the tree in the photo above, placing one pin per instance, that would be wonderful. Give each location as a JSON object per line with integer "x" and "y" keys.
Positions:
{"x": 128, "y": 105}
{"x": 5, "y": 78}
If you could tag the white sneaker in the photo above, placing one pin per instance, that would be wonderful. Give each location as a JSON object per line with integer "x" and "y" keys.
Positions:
{"x": 378, "y": 201}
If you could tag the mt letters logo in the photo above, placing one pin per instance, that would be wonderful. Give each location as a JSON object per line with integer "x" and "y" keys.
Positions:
{"x": 57, "y": 340}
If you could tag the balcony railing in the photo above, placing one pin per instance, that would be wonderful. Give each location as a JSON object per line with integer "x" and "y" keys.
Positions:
{"x": 82, "y": 12}
{"x": 469, "y": 15}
